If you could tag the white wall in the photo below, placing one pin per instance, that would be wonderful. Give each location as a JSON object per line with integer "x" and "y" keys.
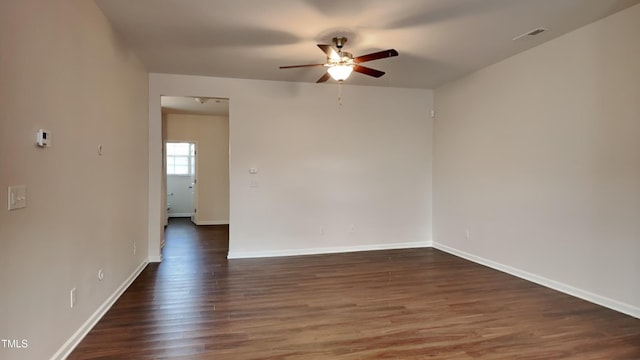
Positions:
{"x": 63, "y": 69}
{"x": 211, "y": 133}
{"x": 539, "y": 157}
{"x": 320, "y": 165}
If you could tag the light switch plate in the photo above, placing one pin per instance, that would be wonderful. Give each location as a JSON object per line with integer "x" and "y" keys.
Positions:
{"x": 17, "y": 197}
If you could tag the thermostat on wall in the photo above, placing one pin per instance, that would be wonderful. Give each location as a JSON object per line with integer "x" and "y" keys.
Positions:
{"x": 44, "y": 138}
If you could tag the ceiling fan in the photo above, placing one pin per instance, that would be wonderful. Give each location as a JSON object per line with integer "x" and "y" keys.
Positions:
{"x": 340, "y": 63}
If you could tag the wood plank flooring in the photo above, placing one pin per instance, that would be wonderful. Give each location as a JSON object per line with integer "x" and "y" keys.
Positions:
{"x": 398, "y": 304}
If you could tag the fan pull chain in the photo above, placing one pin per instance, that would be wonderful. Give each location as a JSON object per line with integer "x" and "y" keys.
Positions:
{"x": 340, "y": 92}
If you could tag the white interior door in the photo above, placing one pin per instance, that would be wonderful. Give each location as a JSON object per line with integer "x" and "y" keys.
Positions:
{"x": 181, "y": 177}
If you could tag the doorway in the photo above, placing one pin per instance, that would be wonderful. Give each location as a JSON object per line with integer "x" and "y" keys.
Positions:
{"x": 181, "y": 179}
{"x": 203, "y": 123}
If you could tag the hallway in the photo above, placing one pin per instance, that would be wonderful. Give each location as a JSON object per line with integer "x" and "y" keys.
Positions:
{"x": 193, "y": 248}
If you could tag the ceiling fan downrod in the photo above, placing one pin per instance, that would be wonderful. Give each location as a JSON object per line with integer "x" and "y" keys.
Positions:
{"x": 339, "y": 41}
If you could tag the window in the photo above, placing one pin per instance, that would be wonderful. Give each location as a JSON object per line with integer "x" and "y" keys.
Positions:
{"x": 181, "y": 158}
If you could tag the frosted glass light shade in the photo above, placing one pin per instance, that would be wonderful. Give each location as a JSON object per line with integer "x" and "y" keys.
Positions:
{"x": 340, "y": 72}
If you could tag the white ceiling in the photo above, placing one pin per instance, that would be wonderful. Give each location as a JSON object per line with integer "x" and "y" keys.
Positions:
{"x": 438, "y": 40}
{"x": 189, "y": 105}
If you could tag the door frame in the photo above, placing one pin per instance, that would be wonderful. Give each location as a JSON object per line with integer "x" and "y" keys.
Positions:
{"x": 158, "y": 89}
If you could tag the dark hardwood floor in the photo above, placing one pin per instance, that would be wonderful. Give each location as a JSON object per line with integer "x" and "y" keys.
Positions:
{"x": 398, "y": 304}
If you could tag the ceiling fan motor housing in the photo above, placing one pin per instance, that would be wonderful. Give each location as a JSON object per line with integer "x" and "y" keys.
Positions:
{"x": 345, "y": 59}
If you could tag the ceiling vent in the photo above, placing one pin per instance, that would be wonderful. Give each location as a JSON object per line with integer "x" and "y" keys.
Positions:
{"x": 533, "y": 32}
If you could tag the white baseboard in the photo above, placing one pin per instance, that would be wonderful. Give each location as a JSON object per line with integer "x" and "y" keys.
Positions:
{"x": 155, "y": 259}
{"x": 77, "y": 337}
{"x": 555, "y": 285}
{"x": 326, "y": 250}
{"x": 180, "y": 215}
{"x": 212, "y": 222}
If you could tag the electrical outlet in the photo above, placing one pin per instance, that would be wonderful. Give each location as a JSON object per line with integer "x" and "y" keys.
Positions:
{"x": 352, "y": 228}
{"x": 134, "y": 248}
{"x": 100, "y": 275}
{"x": 72, "y": 298}
{"x": 466, "y": 234}
{"x": 321, "y": 230}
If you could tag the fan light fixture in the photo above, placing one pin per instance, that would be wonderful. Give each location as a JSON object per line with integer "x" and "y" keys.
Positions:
{"x": 340, "y": 64}
{"x": 340, "y": 72}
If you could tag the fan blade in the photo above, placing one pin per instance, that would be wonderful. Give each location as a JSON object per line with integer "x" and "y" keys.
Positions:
{"x": 330, "y": 51}
{"x": 324, "y": 78}
{"x": 299, "y": 66}
{"x": 376, "y": 55}
{"x": 368, "y": 71}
